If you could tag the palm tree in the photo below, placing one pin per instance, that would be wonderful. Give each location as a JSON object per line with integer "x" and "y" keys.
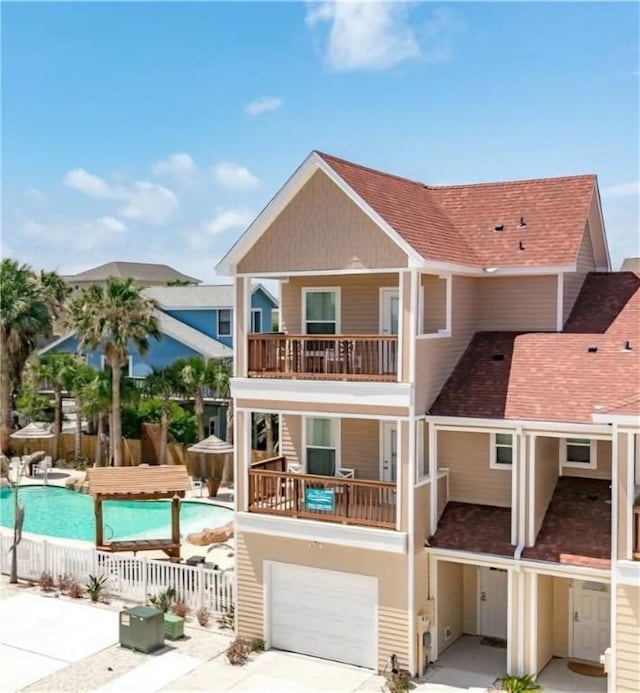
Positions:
{"x": 81, "y": 381}
{"x": 96, "y": 403}
{"x": 163, "y": 383}
{"x": 111, "y": 318}
{"x": 58, "y": 370}
{"x": 28, "y": 304}
{"x": 197, "y": 376}
{"x": 222, "y": 381}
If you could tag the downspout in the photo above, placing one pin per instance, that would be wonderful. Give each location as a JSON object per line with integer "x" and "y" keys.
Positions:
{"x": 611, "y": 678}
{"x": 521, "y": 534}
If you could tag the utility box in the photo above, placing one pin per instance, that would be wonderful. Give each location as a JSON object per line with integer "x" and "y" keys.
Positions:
{"x": 173, "y": 627}
{"x": 142, "y": 629}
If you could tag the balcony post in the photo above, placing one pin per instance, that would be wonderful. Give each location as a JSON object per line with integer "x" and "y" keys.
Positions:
{"x": 241, "y": 325}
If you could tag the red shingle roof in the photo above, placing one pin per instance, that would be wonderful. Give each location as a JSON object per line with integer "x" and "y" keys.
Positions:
{"x": 560, "y": 376}
{"x": 457, "y": 223}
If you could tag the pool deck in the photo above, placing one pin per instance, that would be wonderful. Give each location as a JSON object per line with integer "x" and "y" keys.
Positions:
{"x": 222, "y": 555}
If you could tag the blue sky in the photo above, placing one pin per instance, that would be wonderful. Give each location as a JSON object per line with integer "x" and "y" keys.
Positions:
{"x": 156, "y": 131}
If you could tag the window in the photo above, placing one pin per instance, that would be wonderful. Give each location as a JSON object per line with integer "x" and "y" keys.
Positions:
{"x": 256, "y": 320}
{"x": 578, "y": 452}
{"x": 127, "y": 366}
{"x": 501, "y": 450}
{"x": 224, "y": 322}
{"x": 212, "y": 426}
{"x": 321, "y": 446}
{"x": 320, "y": 311}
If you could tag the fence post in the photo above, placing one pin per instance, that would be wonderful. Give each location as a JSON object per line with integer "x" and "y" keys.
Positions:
{"x": 145, "y": 577}
{"x": 200, "y": 585}
{"x": 45, "y": 556}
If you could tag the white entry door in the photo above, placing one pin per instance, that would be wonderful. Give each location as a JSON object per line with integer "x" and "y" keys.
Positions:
{"x": 389, "y": 450}
{"x": 591, "y": 605}
{"x": 493, "y": 602}
{"x": 323, "y": 613}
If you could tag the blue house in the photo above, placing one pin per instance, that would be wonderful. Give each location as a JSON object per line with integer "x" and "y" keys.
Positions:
{"x": 193, "y": 321}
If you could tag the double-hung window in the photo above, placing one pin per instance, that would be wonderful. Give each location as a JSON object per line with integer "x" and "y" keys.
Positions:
{"x": 320, "y": 311}
{"x": 321, "y": 446}
{"x": 224, "y": 322}
{"x": 501, "y": 451}
{"x": 578, "y": 452}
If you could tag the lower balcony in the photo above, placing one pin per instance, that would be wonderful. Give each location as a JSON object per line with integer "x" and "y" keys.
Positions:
{"x": 342, "y": 499}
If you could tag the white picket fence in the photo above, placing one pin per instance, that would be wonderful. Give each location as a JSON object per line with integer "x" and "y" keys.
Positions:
{"x": 129, "y": 578}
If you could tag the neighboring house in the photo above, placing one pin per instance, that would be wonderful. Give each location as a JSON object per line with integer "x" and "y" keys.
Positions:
{"x": 143, "y": 274}
{"x": 194, "y": 321}
{"x": 457, "y": 385}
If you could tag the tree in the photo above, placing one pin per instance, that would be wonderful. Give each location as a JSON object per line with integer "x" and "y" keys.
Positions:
{"x": 222, "y": 381}
{"x": 57, "y": 370}
{"x": 28, "y": 304}
{"x": 81, "y": 382}
{"x": 18, "y": 514}
{"x": 111, "y": 318}
{"x": 96, "y": 403}
{"x": 163, "y": 383}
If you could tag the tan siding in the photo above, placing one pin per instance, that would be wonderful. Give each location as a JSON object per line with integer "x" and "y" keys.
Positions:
{"x": 560, "y": 617}
{"x": 436, "y": 358}
{"x": 449, "y": 603}
{"x": 470, "y": 479}
{"x": 359, "y": 301}
{"x": 291, "y": 438}
{"x": 545, "y": 621}
{"x": 546, "y": 467}
{"x": 627, "y": 648}
{"x": 603, "y": 469}
{"x": 517, "y": 303}
{"x": 573, "y": 281}
{"x": 240, "y": 474}
{"x": 470, "y": 599}
{"x": 390, "y": 569}
{"x": 434, "y": 303}
{"x": 321, "y": 228}
{"x": 361, "y": 447}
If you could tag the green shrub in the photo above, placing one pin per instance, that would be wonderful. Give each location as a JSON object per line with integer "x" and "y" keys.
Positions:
{"x": 96, "y": 586}
{"x": 257, "y": 645}
{"x": 228, "y": 619}
{"x": 518, "y": 684}
{"x": 163, "y": 600}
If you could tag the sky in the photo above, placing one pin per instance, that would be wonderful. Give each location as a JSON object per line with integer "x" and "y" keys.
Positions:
{"x": 156, "y": 132}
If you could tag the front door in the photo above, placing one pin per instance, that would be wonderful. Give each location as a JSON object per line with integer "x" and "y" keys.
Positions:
{"x": 389, "y": 462}
{"x": 389, "y": 310}
{"x": 591, "y": 607}
{"x": 493, "y": 599}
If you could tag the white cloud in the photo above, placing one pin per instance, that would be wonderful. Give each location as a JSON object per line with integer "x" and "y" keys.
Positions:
{"x": 149, "y": 202}
{"x": 87, "y": 183}
{"x": 372, "y": 35}
{"x": 35, "y": 195}
{"x": 232, "y": 176}
{"x": 227, "y": 220}
{"x": 73, "y": 234}
{"x": 141, "y": 200}
{"x": 623, "y": 189}
{"x": 180, "y": 165}
{"x": 262, "y": 105}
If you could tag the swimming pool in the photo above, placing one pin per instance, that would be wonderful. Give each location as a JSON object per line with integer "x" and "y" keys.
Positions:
{"x": 60, "y": 512}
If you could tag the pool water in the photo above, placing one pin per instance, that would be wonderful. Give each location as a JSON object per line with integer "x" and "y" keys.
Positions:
{"x": 60, "y": 512}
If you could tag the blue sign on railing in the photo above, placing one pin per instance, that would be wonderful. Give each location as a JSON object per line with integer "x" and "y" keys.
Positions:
{"x": 320, "y": 499}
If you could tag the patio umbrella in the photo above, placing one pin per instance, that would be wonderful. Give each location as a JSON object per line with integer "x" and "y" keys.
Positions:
{"x": 34, "y": 431}
{"x": 211, "y": 446}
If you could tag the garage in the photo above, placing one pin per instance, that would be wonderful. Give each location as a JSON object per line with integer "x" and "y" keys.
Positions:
{"x": 323, "y": 613}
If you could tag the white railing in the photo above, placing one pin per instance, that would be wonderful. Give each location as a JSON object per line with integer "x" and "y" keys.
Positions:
{"x": 130, "y": 578}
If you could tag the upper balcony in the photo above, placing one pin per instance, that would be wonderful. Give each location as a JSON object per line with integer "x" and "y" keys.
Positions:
{"x": 335, "y": 357}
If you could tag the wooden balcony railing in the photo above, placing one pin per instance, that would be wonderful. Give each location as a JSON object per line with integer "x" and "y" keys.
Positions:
{"x": 329, "y": 357}
{"x": 636, "y": 533}
{"x": 324, "y": 498}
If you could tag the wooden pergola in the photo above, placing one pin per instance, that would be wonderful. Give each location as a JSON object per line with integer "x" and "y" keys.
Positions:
{"x": 137, "y": 484}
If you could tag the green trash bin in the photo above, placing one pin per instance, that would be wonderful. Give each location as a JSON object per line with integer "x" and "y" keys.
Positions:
{"x": 142, "y": 628}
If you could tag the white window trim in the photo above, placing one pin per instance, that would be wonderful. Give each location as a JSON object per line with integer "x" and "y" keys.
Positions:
{"x": 316, "y": 289}
{"x": 225, "y": 334}
{"x": 213, "y": 420}
{"x": 493, "y": 457}
{"x": 335, "y": 436}
{"x": 103, "y": 363}
{"x": 255, "y": 311}
{"x": 593, "y": 455}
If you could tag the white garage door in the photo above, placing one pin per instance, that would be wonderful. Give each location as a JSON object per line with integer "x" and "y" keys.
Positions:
{"x": 324, "y": 613}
